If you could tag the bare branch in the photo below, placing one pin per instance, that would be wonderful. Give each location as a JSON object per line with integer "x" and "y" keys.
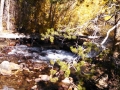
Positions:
{"x": 104, "y": 40}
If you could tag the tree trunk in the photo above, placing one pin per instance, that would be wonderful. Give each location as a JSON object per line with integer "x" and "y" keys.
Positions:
{"x": 8, "y": 14}
{"x": 117, "y": 31}
{"x": 116, "y": 44}
{"x": 1, "y": 14}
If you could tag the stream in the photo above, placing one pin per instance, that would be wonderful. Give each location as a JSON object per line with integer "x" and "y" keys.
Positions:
{"x": 36, "y": 54}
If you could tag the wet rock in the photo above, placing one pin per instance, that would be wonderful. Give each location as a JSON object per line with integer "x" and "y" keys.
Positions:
{"x": 21, "y": 47}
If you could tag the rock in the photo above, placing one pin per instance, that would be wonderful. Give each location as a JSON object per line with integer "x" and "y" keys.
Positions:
{"x": 102, "y": 83}
{"x": 6, "y": 67}
{"x": 67, "y": 80}
{"x": 42, "y": 78}
{"x": 34, "y": 87}
{"x": 7, "y": 88}
{"x": 12, "y": 43}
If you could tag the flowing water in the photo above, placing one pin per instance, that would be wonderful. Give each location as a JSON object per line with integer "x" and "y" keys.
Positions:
{"x": 37, "y": 54}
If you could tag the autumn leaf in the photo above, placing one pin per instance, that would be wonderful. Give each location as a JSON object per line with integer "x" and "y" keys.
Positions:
{"x": 107, "y": 17}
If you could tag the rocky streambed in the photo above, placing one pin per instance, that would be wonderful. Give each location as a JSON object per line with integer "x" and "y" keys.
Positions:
{"x": 23, "y": 67}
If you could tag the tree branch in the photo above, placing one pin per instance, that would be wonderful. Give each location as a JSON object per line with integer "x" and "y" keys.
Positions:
{"x": 104, "y": 40}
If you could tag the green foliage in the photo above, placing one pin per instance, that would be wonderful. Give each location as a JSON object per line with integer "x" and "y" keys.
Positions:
{"x": 52, "y": 73}
{"x": 55, "y": 79}
{"x": 67, "y": 72}
{"x": 64, "y": 67}
{"x": 52, "y": 62}
{"x": 79, "y": 86}
{"x": 73, "y": 37}
{"x": 51, "y": 39}
{"x": 81, "y": 52}
{"x": 74, "y": 50}
{"x": 104, "y": 53}
{"x": 88, "y": 46}
{"x": 78, "y": 65}
{"x": 49, "y": 35}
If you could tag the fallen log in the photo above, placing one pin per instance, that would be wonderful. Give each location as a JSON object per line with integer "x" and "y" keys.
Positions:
{"x": 13, "y": 35}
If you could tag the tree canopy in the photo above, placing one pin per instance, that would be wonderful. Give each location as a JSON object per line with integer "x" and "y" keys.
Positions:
{"x": 58, "y": 14}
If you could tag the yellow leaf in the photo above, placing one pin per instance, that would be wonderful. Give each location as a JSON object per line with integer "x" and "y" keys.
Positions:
{"x": 114, "y": 0}
{"x": 107, "y": 17}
